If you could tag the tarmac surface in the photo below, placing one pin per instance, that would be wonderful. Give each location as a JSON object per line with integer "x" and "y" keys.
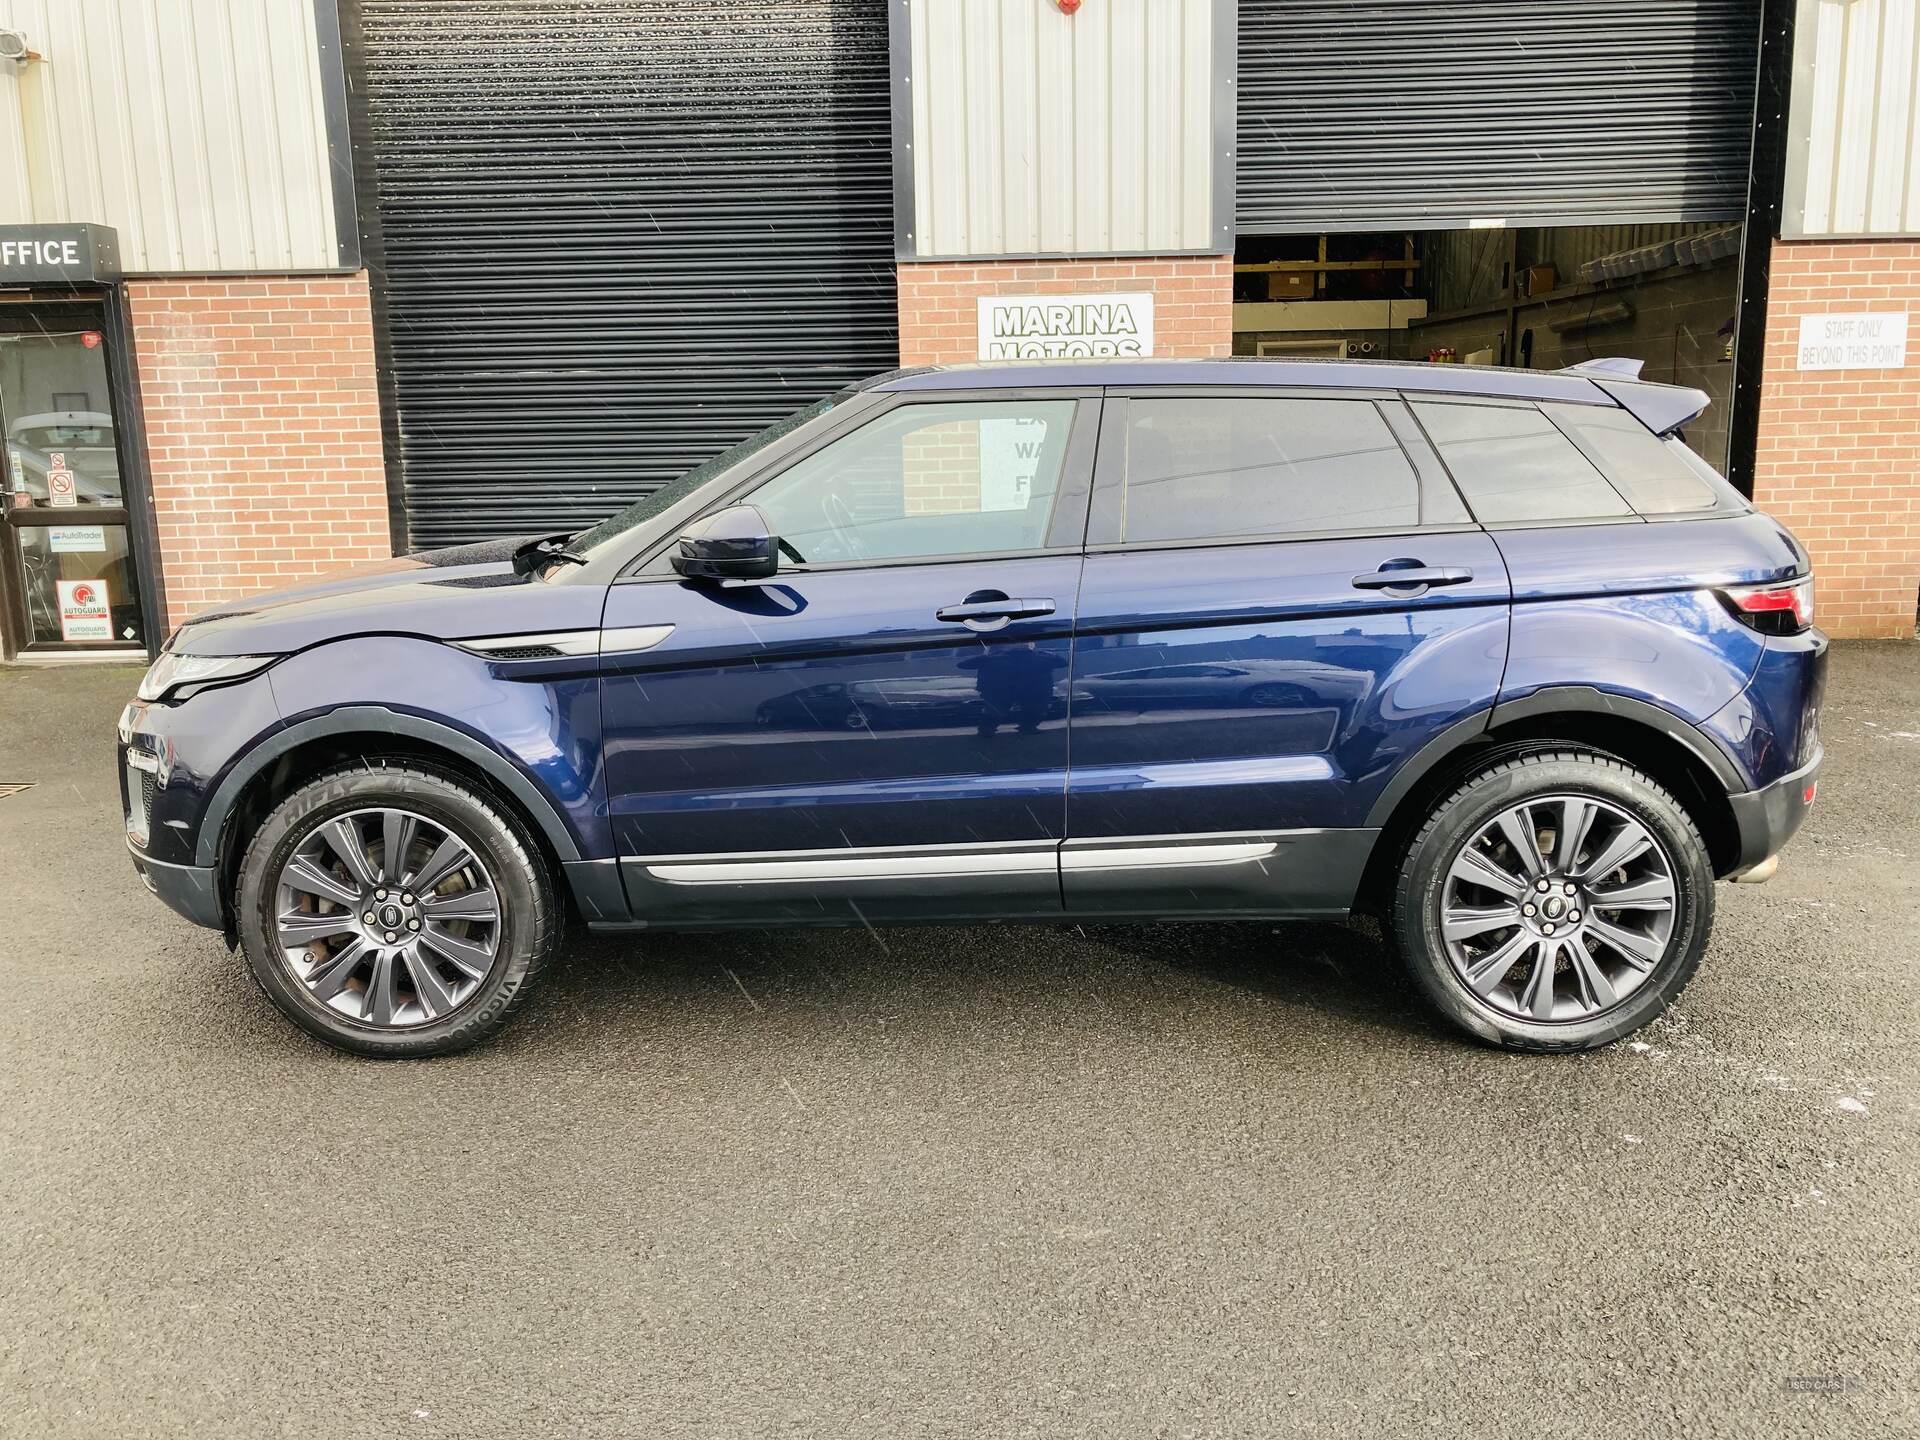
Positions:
{"x": 1044, "y": 1181}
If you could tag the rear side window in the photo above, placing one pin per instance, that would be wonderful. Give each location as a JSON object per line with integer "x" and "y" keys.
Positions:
{"x": 1641, "y": 465}
{"x": 1227, "y": 467}
{"x": 1514, "y": 466}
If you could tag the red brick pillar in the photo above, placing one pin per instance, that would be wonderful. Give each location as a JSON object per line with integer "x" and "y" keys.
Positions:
{"x": 1192, "y": 300}
{"x": 263, "y": 432}
{"x": 1838, "y": 458}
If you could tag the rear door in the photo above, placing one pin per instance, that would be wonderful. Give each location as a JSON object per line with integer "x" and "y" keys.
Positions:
{"x": 880, "y": 731}
{"x": 1284, "y": 598}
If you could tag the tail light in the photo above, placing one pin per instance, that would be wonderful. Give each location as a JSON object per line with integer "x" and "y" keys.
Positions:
{"x": 1773, "y": 609}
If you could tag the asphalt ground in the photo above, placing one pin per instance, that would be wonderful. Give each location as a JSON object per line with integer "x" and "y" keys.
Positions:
{"x": 1046, "y": 1181}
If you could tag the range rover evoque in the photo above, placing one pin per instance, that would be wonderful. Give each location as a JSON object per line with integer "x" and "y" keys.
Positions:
{"x": 1489, "y": 653}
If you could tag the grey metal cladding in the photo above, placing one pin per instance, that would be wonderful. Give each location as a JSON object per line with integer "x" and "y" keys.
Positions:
{"x": 619, "y": 236}
{"x": 1424, "y": 115}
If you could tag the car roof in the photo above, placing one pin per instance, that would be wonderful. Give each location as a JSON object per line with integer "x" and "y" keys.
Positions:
{"x": 1660, "y": 407}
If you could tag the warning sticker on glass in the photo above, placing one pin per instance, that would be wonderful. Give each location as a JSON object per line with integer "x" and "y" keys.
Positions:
{"x": 83, "y": 610}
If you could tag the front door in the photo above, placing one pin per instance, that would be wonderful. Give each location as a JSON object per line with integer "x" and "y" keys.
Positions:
{"x": 880, "y": 731}
{"x": 1279, "y": 606}
{"x": 67, "y": 579}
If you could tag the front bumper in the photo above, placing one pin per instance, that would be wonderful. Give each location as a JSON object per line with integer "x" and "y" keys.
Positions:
{"x": 1766, "y": 818}
{"x": 192, "y": 891}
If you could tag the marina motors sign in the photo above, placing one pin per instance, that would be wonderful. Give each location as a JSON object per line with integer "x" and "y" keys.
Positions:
{"x": 1051, "y": 327}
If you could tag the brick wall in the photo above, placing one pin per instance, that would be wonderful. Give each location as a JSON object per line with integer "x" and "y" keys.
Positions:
{"x": 939, "y": 320}
{"x": 263, "y": 432}
{"x": 1839, "y": 450}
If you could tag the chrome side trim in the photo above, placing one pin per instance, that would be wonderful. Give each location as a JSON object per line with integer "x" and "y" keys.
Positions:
{"x": 978, "y": 858}
{"x": 632, "y": 637}
{"x": 567, "y": 642}
{"x": 1154, "y": 857}
{"x": 841, "y": 852}
{"x": 884, "y": 867}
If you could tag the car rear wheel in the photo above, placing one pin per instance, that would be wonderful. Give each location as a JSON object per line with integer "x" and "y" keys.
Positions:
{"x": 1555, "y": 901}
{"x": 392, "y": 911}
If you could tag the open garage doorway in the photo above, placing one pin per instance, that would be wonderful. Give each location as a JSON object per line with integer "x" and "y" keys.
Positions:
{"x": 1541, "y": 299}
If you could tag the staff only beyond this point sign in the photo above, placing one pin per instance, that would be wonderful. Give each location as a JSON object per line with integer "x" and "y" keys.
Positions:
{"x": 1853, "y": 342}
{"x": 1054, "y": 327}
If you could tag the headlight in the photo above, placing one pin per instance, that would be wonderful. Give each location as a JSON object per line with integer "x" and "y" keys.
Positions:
{"x": 177, "y": 676}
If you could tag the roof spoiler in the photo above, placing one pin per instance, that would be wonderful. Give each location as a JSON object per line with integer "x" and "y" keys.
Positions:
{"x": 1663, "y": 409}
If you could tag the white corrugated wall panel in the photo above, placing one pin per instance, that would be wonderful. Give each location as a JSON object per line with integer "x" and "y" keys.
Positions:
{"x": 1855, "y": 120}
{"x": 195, "y": 128}
{"x": 1038, "y": 133}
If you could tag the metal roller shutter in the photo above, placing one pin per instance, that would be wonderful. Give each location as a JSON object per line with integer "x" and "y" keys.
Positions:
{"x": 618, "y": 236}
{"x": 1437, "y": 114}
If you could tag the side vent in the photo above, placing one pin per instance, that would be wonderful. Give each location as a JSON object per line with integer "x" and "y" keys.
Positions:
{"x": 553, "y": 646}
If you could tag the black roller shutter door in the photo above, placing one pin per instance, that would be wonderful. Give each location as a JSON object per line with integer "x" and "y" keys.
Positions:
{"x": 615, "y": 237}
{"x": 1445, "y": 113}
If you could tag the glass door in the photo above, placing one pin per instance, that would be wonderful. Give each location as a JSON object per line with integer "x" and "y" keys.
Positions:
{"x": 67, "y": 580}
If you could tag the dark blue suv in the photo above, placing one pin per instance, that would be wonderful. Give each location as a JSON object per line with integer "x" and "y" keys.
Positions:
{"x": 1489, "y": 653}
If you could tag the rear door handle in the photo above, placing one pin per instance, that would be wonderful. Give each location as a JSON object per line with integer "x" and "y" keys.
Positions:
{"x": 991, "y": 614}
{"x": 1414, "y": 579}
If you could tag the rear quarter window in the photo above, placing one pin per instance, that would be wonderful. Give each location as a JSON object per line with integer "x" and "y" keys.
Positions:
{"x": 1646, "y": 469}
{"x": 1515, "y": 466}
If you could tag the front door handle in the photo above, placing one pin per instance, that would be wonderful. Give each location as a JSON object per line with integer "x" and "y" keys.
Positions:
{"x": 1413, "y": 580}
{"x": 992, "y": 614}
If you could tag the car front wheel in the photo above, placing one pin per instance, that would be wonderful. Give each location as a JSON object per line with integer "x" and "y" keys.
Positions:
{"x": 1555, "y": 901}
{"x": 393, "y": 911}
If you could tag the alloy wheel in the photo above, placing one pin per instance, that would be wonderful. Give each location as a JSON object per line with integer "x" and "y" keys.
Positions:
{"x": 1558, "y": 908}
{"x": 387, "y": 917}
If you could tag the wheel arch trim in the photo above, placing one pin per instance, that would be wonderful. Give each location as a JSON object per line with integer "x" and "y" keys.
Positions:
{"x": 378, "y": 718}
{"x": 1554, "y": 700}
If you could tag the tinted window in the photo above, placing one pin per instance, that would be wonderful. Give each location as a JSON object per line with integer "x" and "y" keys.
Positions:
{"x": 1641, "y": 465}
{"x": 926, "y": 480}
{"x": 1206, "y": 468}
{"x": 1513, "y": 465}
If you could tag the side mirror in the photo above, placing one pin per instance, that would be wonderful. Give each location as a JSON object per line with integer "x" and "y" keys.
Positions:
{"x": 731, "y": 544}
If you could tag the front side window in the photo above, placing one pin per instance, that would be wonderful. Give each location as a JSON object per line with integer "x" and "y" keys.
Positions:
{"x": 674, "y": 491}
{"x": 1514, "y": 467}
{"x": 925, "y": 481}
{"x": 1641, "y": 466}
{"x": 1230, "y": 467}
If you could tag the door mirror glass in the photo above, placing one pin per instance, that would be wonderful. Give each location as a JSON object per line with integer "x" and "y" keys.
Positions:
{"x": 731, "y": 544}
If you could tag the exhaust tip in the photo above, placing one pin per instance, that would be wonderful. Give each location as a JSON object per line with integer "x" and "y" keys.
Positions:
{"x": 1759, "y": 874}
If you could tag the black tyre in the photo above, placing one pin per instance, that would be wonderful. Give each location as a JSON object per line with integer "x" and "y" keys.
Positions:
{"x": 1555, "y": 901}
{"x": 392, "y": 911}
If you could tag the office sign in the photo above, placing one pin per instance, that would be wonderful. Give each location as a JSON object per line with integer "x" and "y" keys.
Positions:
{"x": 1853, "y": 342}
{"x": 58, "y": 254}
{"x": 1054, "y": 327}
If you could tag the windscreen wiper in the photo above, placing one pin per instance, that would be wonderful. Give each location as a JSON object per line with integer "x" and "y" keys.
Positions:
{"x": 537, "y": 554}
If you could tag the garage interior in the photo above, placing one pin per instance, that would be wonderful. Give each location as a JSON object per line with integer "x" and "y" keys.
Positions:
{"x": 1541, "y": 298}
